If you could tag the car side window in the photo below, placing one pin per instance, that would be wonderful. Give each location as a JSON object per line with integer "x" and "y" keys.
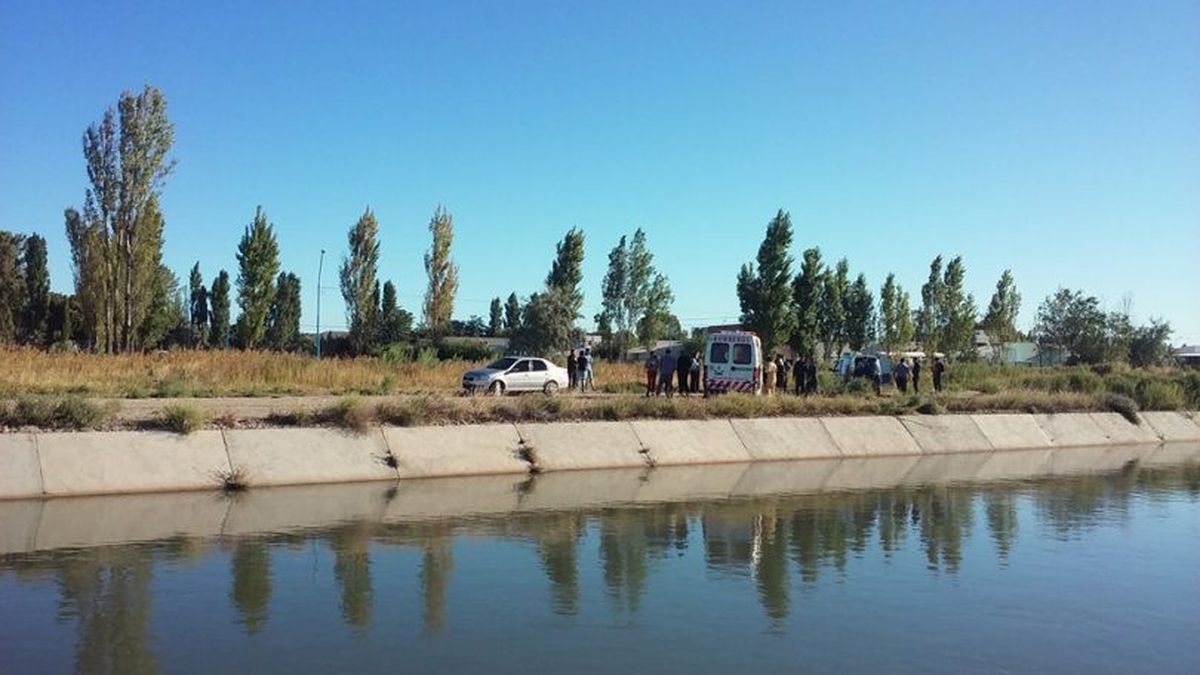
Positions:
{"x": 742, "y": 354}
{"x": 539, "y": 365}
{"x": 521, "y": 367}
{"x": 719, "y": 353}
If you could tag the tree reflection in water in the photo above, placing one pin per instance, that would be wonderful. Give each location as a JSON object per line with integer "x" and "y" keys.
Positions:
{"x": 772, "y": 542}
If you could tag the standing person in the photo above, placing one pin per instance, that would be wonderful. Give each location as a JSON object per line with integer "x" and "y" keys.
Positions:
{"x": 901, "y": 376}
{"x": 939, "y": 371}
{"x": 666, "y": 372}
{"x": 771, "y": 375}
{"x": 798, "y": 371}
{"x": 916, "y": 375}
{"x": 651, "y": 375}
{"x": 572, "y": 370}
{"x": 682, "y": 369}
{"x": 810, "y": 376}
{"x": 587, "y": 381}
{"x": 781, "y": 376}
{"x": 876, "y": 375}
{"x": 694, "y": 375}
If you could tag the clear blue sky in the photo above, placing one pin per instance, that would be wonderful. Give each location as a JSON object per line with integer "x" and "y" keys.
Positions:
{"x": 1061, "y": 139}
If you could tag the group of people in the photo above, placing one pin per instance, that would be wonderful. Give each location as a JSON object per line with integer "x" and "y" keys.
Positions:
{"x": 802, "y": 371}
{"x": 663, "y": 372}
{"x": 902, "y": 374}
{"x": 579, "y": 369}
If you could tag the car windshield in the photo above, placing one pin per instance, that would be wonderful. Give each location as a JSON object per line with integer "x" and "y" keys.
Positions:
{"x": 502, "y": 364}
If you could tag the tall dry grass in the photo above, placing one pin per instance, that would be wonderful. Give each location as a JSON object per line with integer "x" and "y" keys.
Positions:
{"x": 236, "y": 373}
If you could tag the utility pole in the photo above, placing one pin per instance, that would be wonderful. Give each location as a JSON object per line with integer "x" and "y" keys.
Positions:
{"x": 320, "y": 264}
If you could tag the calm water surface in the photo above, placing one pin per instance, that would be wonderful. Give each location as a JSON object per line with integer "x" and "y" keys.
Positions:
{"x": 1026, "y": 562}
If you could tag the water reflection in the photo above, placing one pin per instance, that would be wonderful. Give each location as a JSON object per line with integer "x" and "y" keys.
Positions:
{"x": 777, "y": 543}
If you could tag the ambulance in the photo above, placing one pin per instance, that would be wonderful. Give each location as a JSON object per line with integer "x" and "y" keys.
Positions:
{"x": 733, "y": 361}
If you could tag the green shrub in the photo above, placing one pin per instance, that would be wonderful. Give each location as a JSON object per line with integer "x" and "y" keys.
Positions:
{"x": 67, "y": 412}
{"x": 1126, "y": 406}
{"x": 1158, "y": 395}
{"x": 182, "y": 418}
{"x": 350, "y": 413}
{"x": 473, "y": 350}
{"x": 1084, "y": 381}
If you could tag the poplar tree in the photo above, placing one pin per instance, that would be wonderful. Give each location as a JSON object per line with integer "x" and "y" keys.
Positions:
{"x": 220, "y": 333}
{"x": 835, "y": 286}
{"x": 395, "y": 323}
{"x": 895, "y": 316}
{"x": 655, "y": 321}
{"x": 806, "y": 296}
{"x": 495, "y": 318}
{"x": 117, "y": 240}
{"x": 860, "y": 314}
{"x": 283, "y": 324}
{"x": 198, "y": 307}
{"x": 512, "y": 313}
{"x": 258, "y": 263}
{"x": 765, "y": 292}
{"x": 37, "y": 291}
{"x": 442, "y": 274}
{"x": 933, "y": 293}
{"x": 1000, "y": 322}
{"x": 566, "y": 272}
{"x": 12, "y": 286}
{"x": 358, "y": 277}
{"x": 165, "y": 318}
{"x": 958, "y": 312}
{"x": 611, "y": 321}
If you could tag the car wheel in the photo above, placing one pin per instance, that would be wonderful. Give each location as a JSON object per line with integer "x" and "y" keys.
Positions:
{"x": 496, "y": 388}
{"x": 551, "y": 388}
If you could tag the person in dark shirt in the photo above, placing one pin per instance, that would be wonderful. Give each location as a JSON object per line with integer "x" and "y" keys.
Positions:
{"x": 810, "y": 377}
{"x": 572, "y": 369}
{"x": 901, "y": 376}
{"x": 666, "y": 372}
{"x": 798, "y": 374}
{"x": 781, "y": 375}
{"x": 682, "y": 368}
{"x": 939, "y": 371}
{"x": 916, "y": 375}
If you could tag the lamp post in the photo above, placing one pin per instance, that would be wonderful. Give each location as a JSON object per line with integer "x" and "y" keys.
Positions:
{"x": 320, "y": 264}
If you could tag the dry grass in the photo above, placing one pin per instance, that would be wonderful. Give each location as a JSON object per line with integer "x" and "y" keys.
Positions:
{"x": 235, "y": 373}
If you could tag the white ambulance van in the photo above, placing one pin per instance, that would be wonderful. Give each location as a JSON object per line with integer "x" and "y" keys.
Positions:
{"x": 733, "y": 361}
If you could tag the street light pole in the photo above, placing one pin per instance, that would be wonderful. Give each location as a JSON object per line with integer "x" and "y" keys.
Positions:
{"x": 320, "y": 264}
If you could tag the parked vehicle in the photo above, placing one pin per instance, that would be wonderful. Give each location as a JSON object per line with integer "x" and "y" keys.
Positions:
{"x": 514, "y": 374}
{"x": 733, "y": 362}
{"x": 851, "y": 364}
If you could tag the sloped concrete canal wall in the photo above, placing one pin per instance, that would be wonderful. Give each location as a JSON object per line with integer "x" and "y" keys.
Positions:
{"x": 95, "y": 463}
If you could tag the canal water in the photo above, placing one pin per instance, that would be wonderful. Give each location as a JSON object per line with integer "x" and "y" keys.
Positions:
{"x": 1064, "y": 561}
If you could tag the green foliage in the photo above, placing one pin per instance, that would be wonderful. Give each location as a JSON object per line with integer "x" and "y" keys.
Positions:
{"x": 165, "y": 318}
{"x": 765, "y": 292}
{"x": 957, "y": 313}
{"x": 116, "y": 244}
{"x": 409, "y": 353}
{"x": 1123, "y": 405}
{"x": 835, "y": 286}
{"x": 806, "y": 296}
{"x": 283, "y": 322}
{"x": 1150, "y": 344}
{"x": 566, "y": 272}
{"x": 258, "y": 263}
{"x": 1160, "y": 395}
{"x": 1072, "y": 321}
{"x": 395, "y": 322}
{"x": 933, "y": 293}
{"x": 182, "y": 418}
{"x": 612, "y": 321}
{"x": 12, "y": 286}
{"x": 198, "y": 307}
{"x": 546, "y": 324}
{"x": 220, "y": 333}
{"x": 37, "y": 291}
{"x": 495, "y": 318}
{"x": 473, "y": 350}
{"x": 1000, "y": 321}
{"x": 860, "y": 314}
{"x": 359, "y": 284}
{"x": 512, "y": 314}
{"x": 66, "y": 412}
{"x": 349, "y": 413}
{"x": 442, "y": 274}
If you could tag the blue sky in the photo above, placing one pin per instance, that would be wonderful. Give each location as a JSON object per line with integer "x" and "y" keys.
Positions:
{"x": 1059, "y": 139}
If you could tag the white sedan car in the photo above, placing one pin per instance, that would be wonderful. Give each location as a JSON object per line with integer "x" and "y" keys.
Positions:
{"x": 516, "y": 373}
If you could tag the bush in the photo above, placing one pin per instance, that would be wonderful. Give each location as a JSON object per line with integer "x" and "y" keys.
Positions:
{"x": 1158, "y": 395}
{"x": 350, "y": 413}
{"x": 182, "y": 418}
{"x": 474, "y": 350}
{"x": 67, "y": 412}
{"x": 1127, "y": 407}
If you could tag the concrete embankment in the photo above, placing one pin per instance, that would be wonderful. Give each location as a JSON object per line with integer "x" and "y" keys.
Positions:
{"x": 92, "y": 463}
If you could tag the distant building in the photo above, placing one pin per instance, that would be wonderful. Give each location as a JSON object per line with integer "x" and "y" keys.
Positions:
{"x": 1187, "y": 356}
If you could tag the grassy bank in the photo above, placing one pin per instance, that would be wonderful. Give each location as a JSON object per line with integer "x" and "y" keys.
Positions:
{"x": 233, "y": 373}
